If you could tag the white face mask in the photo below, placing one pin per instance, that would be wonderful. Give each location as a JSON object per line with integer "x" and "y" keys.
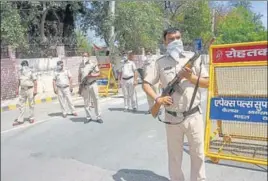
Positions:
{"x": 24, "y": 69}
{"x": 175, "y": 48}
{"x": 85, "y": 59}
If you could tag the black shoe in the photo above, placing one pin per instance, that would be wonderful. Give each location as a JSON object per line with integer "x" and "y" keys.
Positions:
{"x": 100, "y": 121}
{"x": 88, "y": 120}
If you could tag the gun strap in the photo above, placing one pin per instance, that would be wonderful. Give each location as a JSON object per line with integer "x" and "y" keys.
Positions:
{"x": 196, "y": 87}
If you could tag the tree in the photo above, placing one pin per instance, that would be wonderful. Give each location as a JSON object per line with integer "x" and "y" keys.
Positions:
{"x": 82, "y": 42}
{"x": 245, "y": 4}
{"x": 97, "y": 18}
{"x": 197, "y": 22}
{"x": 239, "y": 26}
{"x": 12, "y": 31}
{"x": 48, "y": 24}
{"x": 138, "y": 24}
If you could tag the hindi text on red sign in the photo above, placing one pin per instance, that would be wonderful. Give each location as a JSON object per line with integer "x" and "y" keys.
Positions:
{"x": 238, "y": 53}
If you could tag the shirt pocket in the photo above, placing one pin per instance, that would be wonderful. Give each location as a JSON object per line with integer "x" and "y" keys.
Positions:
{"x": 167, "y": 74}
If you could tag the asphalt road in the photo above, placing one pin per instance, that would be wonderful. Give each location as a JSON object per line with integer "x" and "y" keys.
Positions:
{"x": 126, "y": 147}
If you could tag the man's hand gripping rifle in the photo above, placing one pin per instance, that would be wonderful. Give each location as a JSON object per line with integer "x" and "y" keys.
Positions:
{"x": 84, "y": 80}
{"x": 169, "y": 90}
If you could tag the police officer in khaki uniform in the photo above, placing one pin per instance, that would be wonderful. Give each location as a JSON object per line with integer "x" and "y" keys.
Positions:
{"x": 89, "y": 72}
{"x": 27, "y": 90}
{"x": 85, "y": 58}
{"x": 148, "y": 64}
{"x": 191, "y": 122}
{"x": 62, "y": 84}
{"x": 128, "y": 80}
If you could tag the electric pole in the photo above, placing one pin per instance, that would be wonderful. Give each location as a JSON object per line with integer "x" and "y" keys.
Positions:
{"x": 112, "y": 37}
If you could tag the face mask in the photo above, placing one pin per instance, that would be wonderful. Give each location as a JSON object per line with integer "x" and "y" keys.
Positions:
{"x": 85, "y": 59}
{"x": 125, "y": 59}
{"x": 175, "y": 48}
{"x": 59, "y": 67}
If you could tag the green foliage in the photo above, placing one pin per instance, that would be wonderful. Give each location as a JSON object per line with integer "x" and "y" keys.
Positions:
{"x": 138, "y": 24}
{"x": 82, "y": 42}
{"x": 12, "y": 31}
{"x": 239, "y": 26}
{"x": 96, "y": 18}
{"x": 195, "y": 21}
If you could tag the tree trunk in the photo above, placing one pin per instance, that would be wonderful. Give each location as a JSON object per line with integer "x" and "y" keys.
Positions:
{"x": 42, "y": 26}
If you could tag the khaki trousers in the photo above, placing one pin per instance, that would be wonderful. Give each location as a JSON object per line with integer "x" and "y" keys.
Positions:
{"x": 128, "y": 90}
{"x": 64, "y": 96}
{"x": 193, "y": 128}
{"x": 26, "y": 94}
{"x": 91, "y": 93}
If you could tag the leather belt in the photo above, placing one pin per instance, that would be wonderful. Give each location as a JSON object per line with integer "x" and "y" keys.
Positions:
{"x": 90, "y": 83}
{"x": 185, "y": 113}
{"x": 27, "y": 87}
{"x": 63, "y": 87}
{"x": 128, "y": 78}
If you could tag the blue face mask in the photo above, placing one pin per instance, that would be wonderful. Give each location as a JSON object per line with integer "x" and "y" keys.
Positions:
{"x": 175, "y": 48}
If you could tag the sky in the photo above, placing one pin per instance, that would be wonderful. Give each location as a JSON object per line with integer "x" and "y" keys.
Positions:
{"x": 257, "y": 7}
{"x": 260, "y": 7}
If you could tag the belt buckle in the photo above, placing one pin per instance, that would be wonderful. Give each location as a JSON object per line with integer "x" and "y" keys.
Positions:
{"x": 179, "y": 115}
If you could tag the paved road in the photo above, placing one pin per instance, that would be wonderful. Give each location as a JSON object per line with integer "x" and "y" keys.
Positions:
{"x": 126, "y": 147}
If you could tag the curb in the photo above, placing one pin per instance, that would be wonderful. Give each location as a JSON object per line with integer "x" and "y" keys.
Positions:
{"x": 40, "y": 101}
{"x": 37, "y": 101}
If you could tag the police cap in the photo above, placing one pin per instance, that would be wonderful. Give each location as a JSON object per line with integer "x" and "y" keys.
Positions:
{"x": 59, "y": 62}
{"x": 24, "y": 63}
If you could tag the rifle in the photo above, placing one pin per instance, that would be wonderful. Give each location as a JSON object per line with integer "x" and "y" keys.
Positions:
{"x": 84, "y": 80}
{"x": 169, "y": 90}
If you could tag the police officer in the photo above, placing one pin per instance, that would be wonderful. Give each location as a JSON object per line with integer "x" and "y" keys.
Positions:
{"x": 27, "y": 89}
{"x": 191, "y": 122}
{"x": 85, "y": 58}
{"x": 62, "y": 84}
{"x": 89, "y": 73}
{"x": 150, "y": 62}
{"x": 128, "y": 80}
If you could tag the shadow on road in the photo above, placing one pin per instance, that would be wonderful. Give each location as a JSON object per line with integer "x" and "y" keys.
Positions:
{"x": 55, "y": 114}
{"x": 246, "y": 167}
{"x": 137, "y": 175}
{"x": 130, "y": 111}
{"x": 83, "y": 120}
{"x": 79, "y": 106}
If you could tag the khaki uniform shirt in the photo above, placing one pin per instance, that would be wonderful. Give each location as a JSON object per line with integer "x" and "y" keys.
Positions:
{"x": 62, "y": 78}
{"x": 148, "y": 66}
{"x": 27, "y": 78}
{"x": 128, "y": 69}
{"x": 84, "y": 69}
{"x": 165, "y": 70}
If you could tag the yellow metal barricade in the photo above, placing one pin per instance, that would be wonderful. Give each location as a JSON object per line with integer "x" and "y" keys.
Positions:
{"x": 237, "y": 116}
{"x": 106, "y": 83}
